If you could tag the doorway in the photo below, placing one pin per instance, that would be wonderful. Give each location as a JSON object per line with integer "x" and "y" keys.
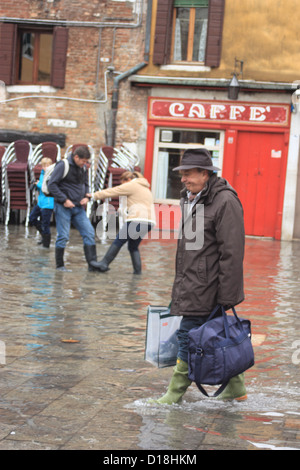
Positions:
{"x": 259, "y": 179}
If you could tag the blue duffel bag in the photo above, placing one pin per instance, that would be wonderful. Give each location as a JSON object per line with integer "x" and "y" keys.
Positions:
{"x": 219, "y": 349}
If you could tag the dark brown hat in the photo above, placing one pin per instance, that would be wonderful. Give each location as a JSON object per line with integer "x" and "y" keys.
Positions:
{"x": 196, "y": 158}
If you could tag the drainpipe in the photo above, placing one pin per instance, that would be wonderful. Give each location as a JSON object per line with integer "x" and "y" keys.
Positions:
{"x": 115, "y": 100}
{"x": 111, "y": 137}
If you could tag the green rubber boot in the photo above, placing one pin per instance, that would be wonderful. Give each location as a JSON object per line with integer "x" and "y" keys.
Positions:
{"x": 235, "y": 389}
{"x": 178, "y": 384}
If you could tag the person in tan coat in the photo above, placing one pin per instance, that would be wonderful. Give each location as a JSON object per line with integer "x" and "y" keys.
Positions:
{"x": 140, "y": 217}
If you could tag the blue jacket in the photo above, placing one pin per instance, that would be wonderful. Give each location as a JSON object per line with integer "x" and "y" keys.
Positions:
{"x": 44, "y": 202}
{"x": 74, "y": 186}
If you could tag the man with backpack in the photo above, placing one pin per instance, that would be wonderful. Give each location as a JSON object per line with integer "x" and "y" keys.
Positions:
{"x": 209, "y": 270}
{"x": 70, "y": 192}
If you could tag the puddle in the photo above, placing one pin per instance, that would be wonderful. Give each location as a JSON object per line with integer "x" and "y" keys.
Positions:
{"x": 104, "y": 371}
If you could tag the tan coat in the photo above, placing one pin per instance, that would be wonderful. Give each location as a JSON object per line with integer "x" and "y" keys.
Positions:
{"x": 139, "y": 199}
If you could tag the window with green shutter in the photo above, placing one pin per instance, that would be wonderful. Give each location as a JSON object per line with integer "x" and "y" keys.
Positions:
{"x": 190, "y": 18}
{"x": 189, "y": 31}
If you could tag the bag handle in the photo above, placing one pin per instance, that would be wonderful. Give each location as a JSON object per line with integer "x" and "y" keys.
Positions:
{"x": 217, "y": 392}
{"x": 226, "y": 320}
{"x": 216, "y": 309}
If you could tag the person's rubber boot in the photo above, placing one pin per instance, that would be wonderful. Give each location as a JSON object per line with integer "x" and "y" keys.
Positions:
{"x": 91, "y": 257}
{"x": 178, "y": 384}
{"x": 46, "y": 240}
{"x": 235, "y": 389}
{"x": 59, "y": 258}
{"x": 109, "y": 257}
{"x": 39, "y": 229}
{"x": 136, "y": 262}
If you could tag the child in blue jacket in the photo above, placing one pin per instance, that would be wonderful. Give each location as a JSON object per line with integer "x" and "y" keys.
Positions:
{"x": 40, "y": 215}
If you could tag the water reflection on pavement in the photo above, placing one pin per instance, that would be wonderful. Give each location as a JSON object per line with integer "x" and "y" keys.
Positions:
{"x": 72, "y": 370}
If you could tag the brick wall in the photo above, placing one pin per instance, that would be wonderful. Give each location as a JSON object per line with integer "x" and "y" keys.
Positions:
{"x": 119, "y": 47}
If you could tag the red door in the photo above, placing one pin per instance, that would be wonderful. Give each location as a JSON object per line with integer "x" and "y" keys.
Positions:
{"x": 259, "y": 179}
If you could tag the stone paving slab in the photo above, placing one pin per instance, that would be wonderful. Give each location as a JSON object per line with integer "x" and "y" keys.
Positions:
{"x": 92, "y": 394}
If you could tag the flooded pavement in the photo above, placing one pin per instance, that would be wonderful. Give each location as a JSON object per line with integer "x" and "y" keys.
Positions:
{"x": 73, "y": 375}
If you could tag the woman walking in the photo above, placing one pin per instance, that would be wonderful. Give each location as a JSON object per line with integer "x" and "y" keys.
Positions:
{"x": 140, "y": 217}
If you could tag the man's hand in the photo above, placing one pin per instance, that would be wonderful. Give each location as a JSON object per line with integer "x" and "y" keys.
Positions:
{"x": 84, "y": 201}
{"x": 69, "y": 204}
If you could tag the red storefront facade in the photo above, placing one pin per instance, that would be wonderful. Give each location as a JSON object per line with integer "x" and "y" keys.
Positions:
{"x": 248, "y": 141}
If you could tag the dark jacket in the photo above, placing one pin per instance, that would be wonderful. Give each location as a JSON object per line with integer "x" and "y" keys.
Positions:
{"x": 74, "y": 186}
{"x": 212, "y": 272}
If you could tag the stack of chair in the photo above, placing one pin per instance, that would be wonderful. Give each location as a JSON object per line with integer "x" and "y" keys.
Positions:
{"x": 44, "y": 150}
{"x": 99, "y": 184}
{"x": 125, "y": 158}
{"x": 16, "y": 178}
{"x": 119, "y": 160}
{"x": 112, "y": 174}
{"x": 2, "y": 152}
{"x": 111, "y": 165}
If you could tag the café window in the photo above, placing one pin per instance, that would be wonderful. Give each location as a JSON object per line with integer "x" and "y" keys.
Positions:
{"x": 34, "y": 54}
{"x": 189, "y": 32}
{"x": 170, "y": 144}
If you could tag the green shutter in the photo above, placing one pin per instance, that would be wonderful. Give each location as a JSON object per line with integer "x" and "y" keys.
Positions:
{"x": 190, "y": 3}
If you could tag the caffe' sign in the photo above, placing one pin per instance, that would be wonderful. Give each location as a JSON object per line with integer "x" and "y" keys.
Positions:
{"x": 201, "y": 111}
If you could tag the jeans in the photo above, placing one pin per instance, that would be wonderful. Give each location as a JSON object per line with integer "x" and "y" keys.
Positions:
{"x": 41, "y": 217}
{"x": 77, "y": 216}
{"x": 133, "y": 233}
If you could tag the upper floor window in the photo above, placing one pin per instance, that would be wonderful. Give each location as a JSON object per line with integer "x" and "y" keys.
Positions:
{"x": 188, "y": 31}
{"x": 34, "y": 55}
{"x": 190, "y": 19}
